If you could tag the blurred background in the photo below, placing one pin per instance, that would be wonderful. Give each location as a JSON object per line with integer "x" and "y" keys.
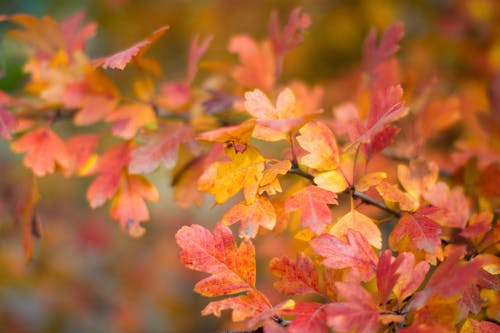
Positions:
{"x": 89, "y": 276}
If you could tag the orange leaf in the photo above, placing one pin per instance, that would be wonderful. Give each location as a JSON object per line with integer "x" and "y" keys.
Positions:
{"x": 313, "y": 203}
{"x": 225, "y": 179}
{"x": 121, "y": 59}
{"x": 296, "y": 278}
{"x": 310, "y": 317}
{"x": 354, "y": 220}
{"x": 453, "y": 202}
{"x": 269, "y": 182}
{"x": 30, "y": 222}
{"x": 231, "y": 269}
{"x": 129, "y": 118}
{"x": 275, "y": 122}
{"x": 45, "y": 151}
{"x": 195, "y": 53}
{"x": 375, "y": 53}
{"x": 418, "y": 176}
{"x": 237, "y": 135}
{"x": 259, "y": 213}
{"x": 318, "y": 140}
{"x": 162, "y": 147}
{"x": 356, "y": 255}
{"x": 369, "y": 180}
{"x": 391, "y": 193}
{"x": 128, "y": 206}
{"x": 258, "y": 68}
{"x": 332, "y": 181}
{"x": 80, "y": 149}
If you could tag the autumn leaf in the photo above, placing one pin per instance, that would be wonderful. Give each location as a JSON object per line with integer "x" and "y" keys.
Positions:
{"x": 275, "y": 122}
{"x": 453, "y": 202}
{"x": 109, "y": 167}
{"x": 162, "y": 147}
{"x": 237, "y": 136}
{"x": 374, "y": 53}
{"x": 419, "y": 229}
{"x": 398, "y": 275}
{"x": 128, "y": 206}
{"x": 370, "y": 180}
{"x": 185, "y": 182}
{"x": 259, "y": 213}
{"x": 258, "y": 66}
{"x": 318, "y": 140}
{"x": 128, "y": 119}
{"x": 313, "y": 203}
{"x": 474, "y": 326}
{"x": 30, "y": 221}
{"x": 292, "y": 34}
{"x": 357, "y": 255}
{"x": 296, "y": 278}
{"x": 418, "y": 176}
{"x": 333, "y": 181}
{"x": 358, "y": 312}
{"x": 195, "y": 53}
{"x": 392, "y": 194}
{"x": 121, "y": 59}
{"x": 225, "y": 179}
{"x": 310, "y": 317}
{"x": 80, "y": 149}
{"x": 231, "y": 269}
{"x": 269, "y": 182}
{"x": 354, "y": 220}
{"x": 45, "y": 150}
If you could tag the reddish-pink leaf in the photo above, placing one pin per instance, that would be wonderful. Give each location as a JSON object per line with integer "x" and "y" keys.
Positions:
{"x": 419, "y": 228}
{"x": 75, "y": 36}
{"x": 121, "y": 59}
{"x": 391, "y": 193}
{"x": 196, "y": 51}
{"x": 386, "y": 275}
{"x": 80, "y": 148}
{"x": 474, "y": 326}
{"x": 310, "y": 317}
{"x": 45, "y": 150}
{"x": 356, "y": 255}
{"x": 313, "y": 203}
{"x": 162, "y": 147}
{"x": 453, "y": 202}
{"x": 374, "y": 54}
{"x": 297, "y": 278}
{"x": 8, "y": 123}
{"x": 252, "y": 215}
{"x": 232, "y": 269}
{"x": 292, "y": 34}
{"x": 359, "y": 312}
{"x": 128, "y": 119}
{"x": 173, "y": 96}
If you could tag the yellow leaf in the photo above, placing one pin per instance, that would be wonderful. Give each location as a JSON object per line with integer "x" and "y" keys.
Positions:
{"x": 356, "y": 221}
{"x": 332, "y": 181}
{"x": 369, "y": 180}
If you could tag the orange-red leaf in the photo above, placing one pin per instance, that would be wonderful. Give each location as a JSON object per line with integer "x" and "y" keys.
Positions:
{"x": 45, "y": 150}
{"x": 421, "y": 230}
{"x": 296, "y": 278}
{"x": 231, "y": 269}
{"x": 259, "y": 213}
{"x": 453, "y": 202}
{"x": 313, "y": 203}
{"x": 374, "y": 53}
{"x": 196, "y": 51}
{"x": 80, "y": 148}
{"x": 258, "y": 68}
{"x": 391, "y": 193}
{"x": 318, "y": 140}
{"x": 270, "y": 182}
{"x": 30, "y": 223}
{"x": 356, "y": 255}
{"x": 359, "y": 312}
{"x": 310, "y": 317}
{"x": 162, "y": 147}
{"x": 128, "y": 206}
{"x": 292, "y": 34}
{"x": 236, "y": 135}
{"x": 127, "y": 119}
{"x": 418, "y": 176}
{"x": 121, "y": 59}
{"x": 369, "y": 180}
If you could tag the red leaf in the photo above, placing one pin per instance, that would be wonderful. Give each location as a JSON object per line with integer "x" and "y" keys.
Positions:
{"x": 297, "y": 278}
{"x": 374, "y": 54}
{"x": 232, "y": 269}
{"x": 311, "y": 318}
{"x": 45, "y": 151}
{"x": 74, "y": 36}
{"x": 357, "y": 255}
{"x": 259, "y": 213}
{"x": 121, "y": 59}
{"x": 162, "y": 147}
{"x": 422, "y": 232}
{"x": 359, "y": 312}
{"x": 313, "y": 203}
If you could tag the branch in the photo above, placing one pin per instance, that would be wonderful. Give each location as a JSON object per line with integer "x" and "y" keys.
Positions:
{"x": 277, "y": 319}
{"x": 358, "y": 195}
